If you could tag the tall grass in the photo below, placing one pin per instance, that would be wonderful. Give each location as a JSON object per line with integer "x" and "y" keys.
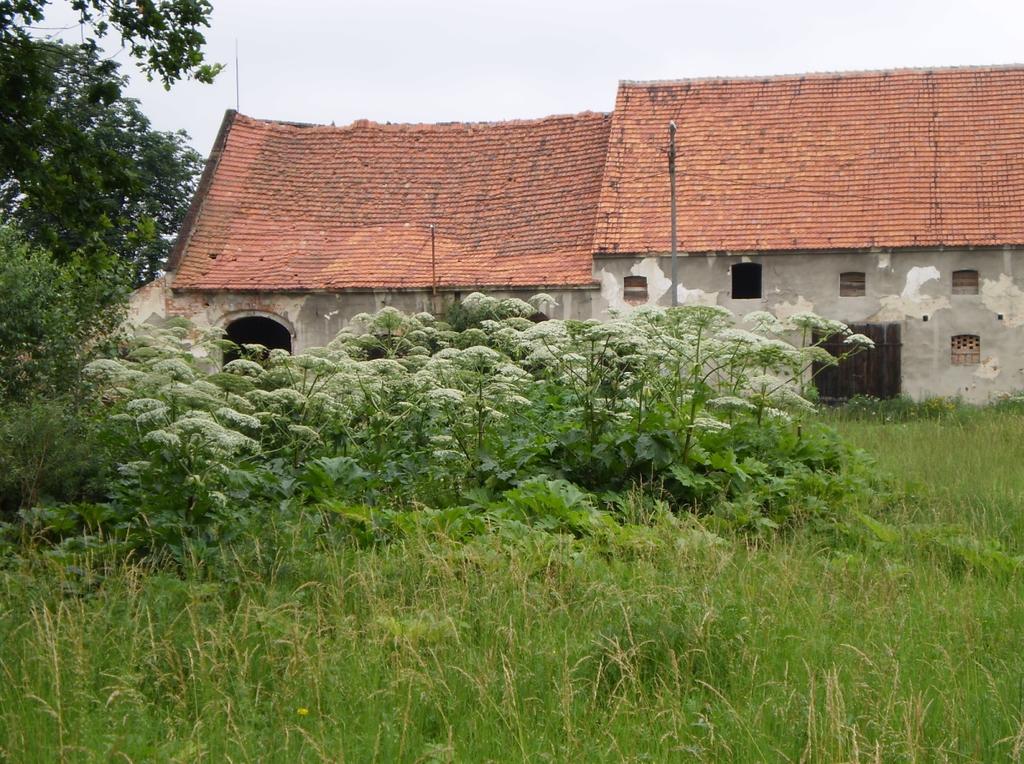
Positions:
{"x": 964, "y": 468}
{"x": 683, "y": 648}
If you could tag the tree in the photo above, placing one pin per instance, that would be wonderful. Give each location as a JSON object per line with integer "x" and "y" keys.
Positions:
{"x": 101, "y": 182}
{"x": 54, "y": 317}
{"x": 80, "y": 169}
{"x": 165, "y": 37}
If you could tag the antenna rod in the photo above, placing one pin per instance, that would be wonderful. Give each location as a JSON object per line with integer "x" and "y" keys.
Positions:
{"x": 237, "y": 89}
{"x": 672, "y": 184}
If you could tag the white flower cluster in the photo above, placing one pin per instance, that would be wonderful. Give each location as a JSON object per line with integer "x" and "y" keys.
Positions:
{"x": 202, "y": 430}
{"x": 764, "y": 322}
{"x": 244, "y": 368}
{"x": 446, "y": 396}
{"x": 388, "y": 367}
{"x": 859, "y": 341}
{"x": 105, "y": 369}
{"x": 236, "y": 419}
{"x": 162, "y": 438}
{"x": 709, "y": 424}
{"x": 175, "y": 368}
{"x": 825, "y": 327}
{"x": 730, "y": 403}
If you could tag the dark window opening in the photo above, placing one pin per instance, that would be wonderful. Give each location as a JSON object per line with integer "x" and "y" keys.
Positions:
{"x": 258, "y": 330}
{"x": 852, "y": 284}
{"x": 746, "y": 281}
{"x": 965, "y": 282}
{"x": 965, "y": 349}
{"x": 634, "y": 289}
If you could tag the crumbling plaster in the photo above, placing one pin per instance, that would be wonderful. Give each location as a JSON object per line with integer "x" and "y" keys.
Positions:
{"x": 315, "y": 318}
{"x": 1002, "y": 295}
{"x": 659, "y": 286}
{"x": 910, "y": 287}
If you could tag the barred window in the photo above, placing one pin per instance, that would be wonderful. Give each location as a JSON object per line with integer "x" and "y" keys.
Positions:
{"x": 634, "y": 289}
{"x": 852, "y": 284}
{"x": 965, "y": 282}
{"x": 965, "y": 349}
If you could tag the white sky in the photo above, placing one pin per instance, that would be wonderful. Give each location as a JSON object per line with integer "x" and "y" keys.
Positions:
{"x": 405, "y": 61}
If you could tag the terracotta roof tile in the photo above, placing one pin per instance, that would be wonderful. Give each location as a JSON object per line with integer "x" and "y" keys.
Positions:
{"x": 872, "y": 159}
{"x": 292, "y": 207}
{"x": 834, "y": 161}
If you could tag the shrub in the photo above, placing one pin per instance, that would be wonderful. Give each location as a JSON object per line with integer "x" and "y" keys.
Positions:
{"x": 901, "y": 409}
{"x": 53, "y": 320}
{"x": 50, "y": 452}
{"x": 546, "y": 425}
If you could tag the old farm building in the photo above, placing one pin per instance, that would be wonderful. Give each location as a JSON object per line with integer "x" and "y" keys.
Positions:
{"x": 891, "y": 200}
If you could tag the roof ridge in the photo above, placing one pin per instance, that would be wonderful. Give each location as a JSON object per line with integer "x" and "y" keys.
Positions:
{"x": 360, "y": 123}
{"x": 833, "y": 74}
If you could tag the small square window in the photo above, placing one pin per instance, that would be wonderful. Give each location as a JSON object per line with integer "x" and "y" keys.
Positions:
{"x": 852, "y": 284}
{"x": 746, "y": 281}
{"x": 965, "y": 282}
{"x": 965, "y": 349}
{"x": 634, "y": 289}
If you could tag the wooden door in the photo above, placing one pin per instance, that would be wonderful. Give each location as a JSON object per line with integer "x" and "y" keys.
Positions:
{"x": 870, "y": 372}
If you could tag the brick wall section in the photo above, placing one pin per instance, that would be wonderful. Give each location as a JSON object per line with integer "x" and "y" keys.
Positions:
{"x": 189, "y": 304}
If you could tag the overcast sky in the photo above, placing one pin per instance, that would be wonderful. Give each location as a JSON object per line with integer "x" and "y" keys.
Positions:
{"x": 403, "y": 61}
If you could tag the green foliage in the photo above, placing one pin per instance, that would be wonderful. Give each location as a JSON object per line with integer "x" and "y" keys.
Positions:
{"x": 900, "y": 409}
{"x": 54, "y": 320}
{"x": 405, "y": 422}
{"x": 962, "y": 488}
{"x": 554, "y": 648}
{"x": 165, "y": 38}
{"x": 906, "y": 409}
{"x": 50, "y": 452}
{"x": 86, "y": 176}
{"x": 883, "y": 625}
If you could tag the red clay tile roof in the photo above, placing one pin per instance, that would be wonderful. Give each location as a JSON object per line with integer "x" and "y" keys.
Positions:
{"x": 289, "y": 207}
{"x": 905, "y": 158}
{"x": 889, "y": 159}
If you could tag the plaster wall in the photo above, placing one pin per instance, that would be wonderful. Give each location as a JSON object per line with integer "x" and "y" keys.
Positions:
{"x": 315, "y": 318}
{"x": 910, "y": 287}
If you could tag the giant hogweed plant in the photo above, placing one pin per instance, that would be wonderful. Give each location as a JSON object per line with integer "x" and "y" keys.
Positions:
{"x": 658, "y": 379}
{"x": 404, "y": 414}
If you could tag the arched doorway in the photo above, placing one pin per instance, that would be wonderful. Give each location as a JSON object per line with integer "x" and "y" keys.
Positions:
{"x": 258, "y": 330}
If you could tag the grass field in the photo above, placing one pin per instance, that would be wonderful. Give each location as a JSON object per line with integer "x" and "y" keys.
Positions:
{"x": 686, "y": 647}
{"x": 966, "y": 468}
